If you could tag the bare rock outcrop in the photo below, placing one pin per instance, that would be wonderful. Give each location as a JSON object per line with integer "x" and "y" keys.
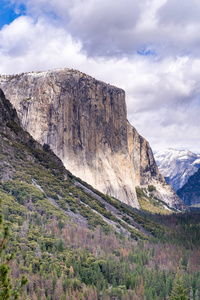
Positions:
{"x": 84, "y": 121}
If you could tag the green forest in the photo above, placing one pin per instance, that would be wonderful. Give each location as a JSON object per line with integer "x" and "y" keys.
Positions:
{"x": 62, "y": 239}
{"x": 66, "y": 261}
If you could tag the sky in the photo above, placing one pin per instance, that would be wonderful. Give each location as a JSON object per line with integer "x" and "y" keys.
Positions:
{"x": 150, "y": 48}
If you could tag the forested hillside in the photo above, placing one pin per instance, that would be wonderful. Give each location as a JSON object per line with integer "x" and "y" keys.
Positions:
{"x": 73, "y": 242}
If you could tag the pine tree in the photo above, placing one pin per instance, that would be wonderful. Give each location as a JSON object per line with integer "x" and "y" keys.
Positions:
{"x": 6, "y": 291}
{"x": 179, "y": 292}
{"x": 5, "y": 284}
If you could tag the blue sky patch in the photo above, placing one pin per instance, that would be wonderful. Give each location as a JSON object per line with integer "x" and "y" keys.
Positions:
{"x": 146, "y": 52}
{"x": 8, "y": 13}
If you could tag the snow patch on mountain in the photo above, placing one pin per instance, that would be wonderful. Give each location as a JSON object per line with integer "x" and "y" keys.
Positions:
{"x": 177, "y": 165}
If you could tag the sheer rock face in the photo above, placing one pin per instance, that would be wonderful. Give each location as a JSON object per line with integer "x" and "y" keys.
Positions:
{"x": 84, "y": 122}
{"x": 7, "y": 113}
{"x": 143, "y": 160}
{"x": 146, "y": 170}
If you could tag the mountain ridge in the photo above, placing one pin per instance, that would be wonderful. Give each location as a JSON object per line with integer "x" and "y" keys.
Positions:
{"x": 84, "y": 121}
{"x": 36, "y": 176}
{"x": 177, "y": 165}
{"x": 190, "y": 191}
{"x": 107, "y": 255}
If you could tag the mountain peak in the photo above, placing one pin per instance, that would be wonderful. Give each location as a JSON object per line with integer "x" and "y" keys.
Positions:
{"x": 177, "y": 165}
{"x": 84, "y": 121}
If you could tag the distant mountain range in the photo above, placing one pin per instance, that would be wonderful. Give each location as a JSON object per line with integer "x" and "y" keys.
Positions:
{"x": 181, "y": 170}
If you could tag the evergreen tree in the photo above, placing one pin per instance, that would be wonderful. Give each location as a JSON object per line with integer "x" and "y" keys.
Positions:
{"x": 5, "y": 284}
{"x": 179, "y": 292}
{"x": 6, "y": 291}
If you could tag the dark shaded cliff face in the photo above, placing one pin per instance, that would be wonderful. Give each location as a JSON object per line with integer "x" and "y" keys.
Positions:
{"x": 190, "y": 192}
{"x": 17, "y": 145}
{"x": 84, "y": 121}
{"x": 7, "y": 113}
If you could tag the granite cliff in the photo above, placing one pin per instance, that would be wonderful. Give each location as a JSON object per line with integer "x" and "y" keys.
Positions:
{"x": 84, "y": 121}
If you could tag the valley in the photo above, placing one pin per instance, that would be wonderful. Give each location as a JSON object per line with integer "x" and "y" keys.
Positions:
{"x": 72, "y": 241}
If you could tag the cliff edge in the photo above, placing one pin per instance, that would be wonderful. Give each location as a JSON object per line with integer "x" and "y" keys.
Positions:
{"x": 84, "y": 121}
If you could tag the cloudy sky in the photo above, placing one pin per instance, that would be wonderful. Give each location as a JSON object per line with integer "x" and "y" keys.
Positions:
{"x": 150, "y": 48}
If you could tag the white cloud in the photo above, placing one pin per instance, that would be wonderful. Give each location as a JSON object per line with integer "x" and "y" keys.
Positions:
{"x": 120, "y": 28}
{"x": 26, "y": 45}
{"x": 101, "y": 39}
{"x": 182, "y": 13}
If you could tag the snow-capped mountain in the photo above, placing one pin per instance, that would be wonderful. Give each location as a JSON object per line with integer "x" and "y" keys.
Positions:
{"x": 177, "y": 166}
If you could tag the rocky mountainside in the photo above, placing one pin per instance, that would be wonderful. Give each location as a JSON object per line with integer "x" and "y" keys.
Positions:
{"x": 177, "y": 166}
{"x": 38, "y": 181}
{"x": 33, "y": 180}
{"x": 190, "y": 192}
{"x": 84, "y": 121}
{"x": 73, "y": 242}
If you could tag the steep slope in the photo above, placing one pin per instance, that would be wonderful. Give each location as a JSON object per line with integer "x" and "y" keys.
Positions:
{"x": 190, "y": 192}
{"x": 84, "y": 122}
{"x": 99, "y": 258}
{"x": 177, "y": 166}
{"x": 38, "y": 181}
{"x": 148, "y": 179}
